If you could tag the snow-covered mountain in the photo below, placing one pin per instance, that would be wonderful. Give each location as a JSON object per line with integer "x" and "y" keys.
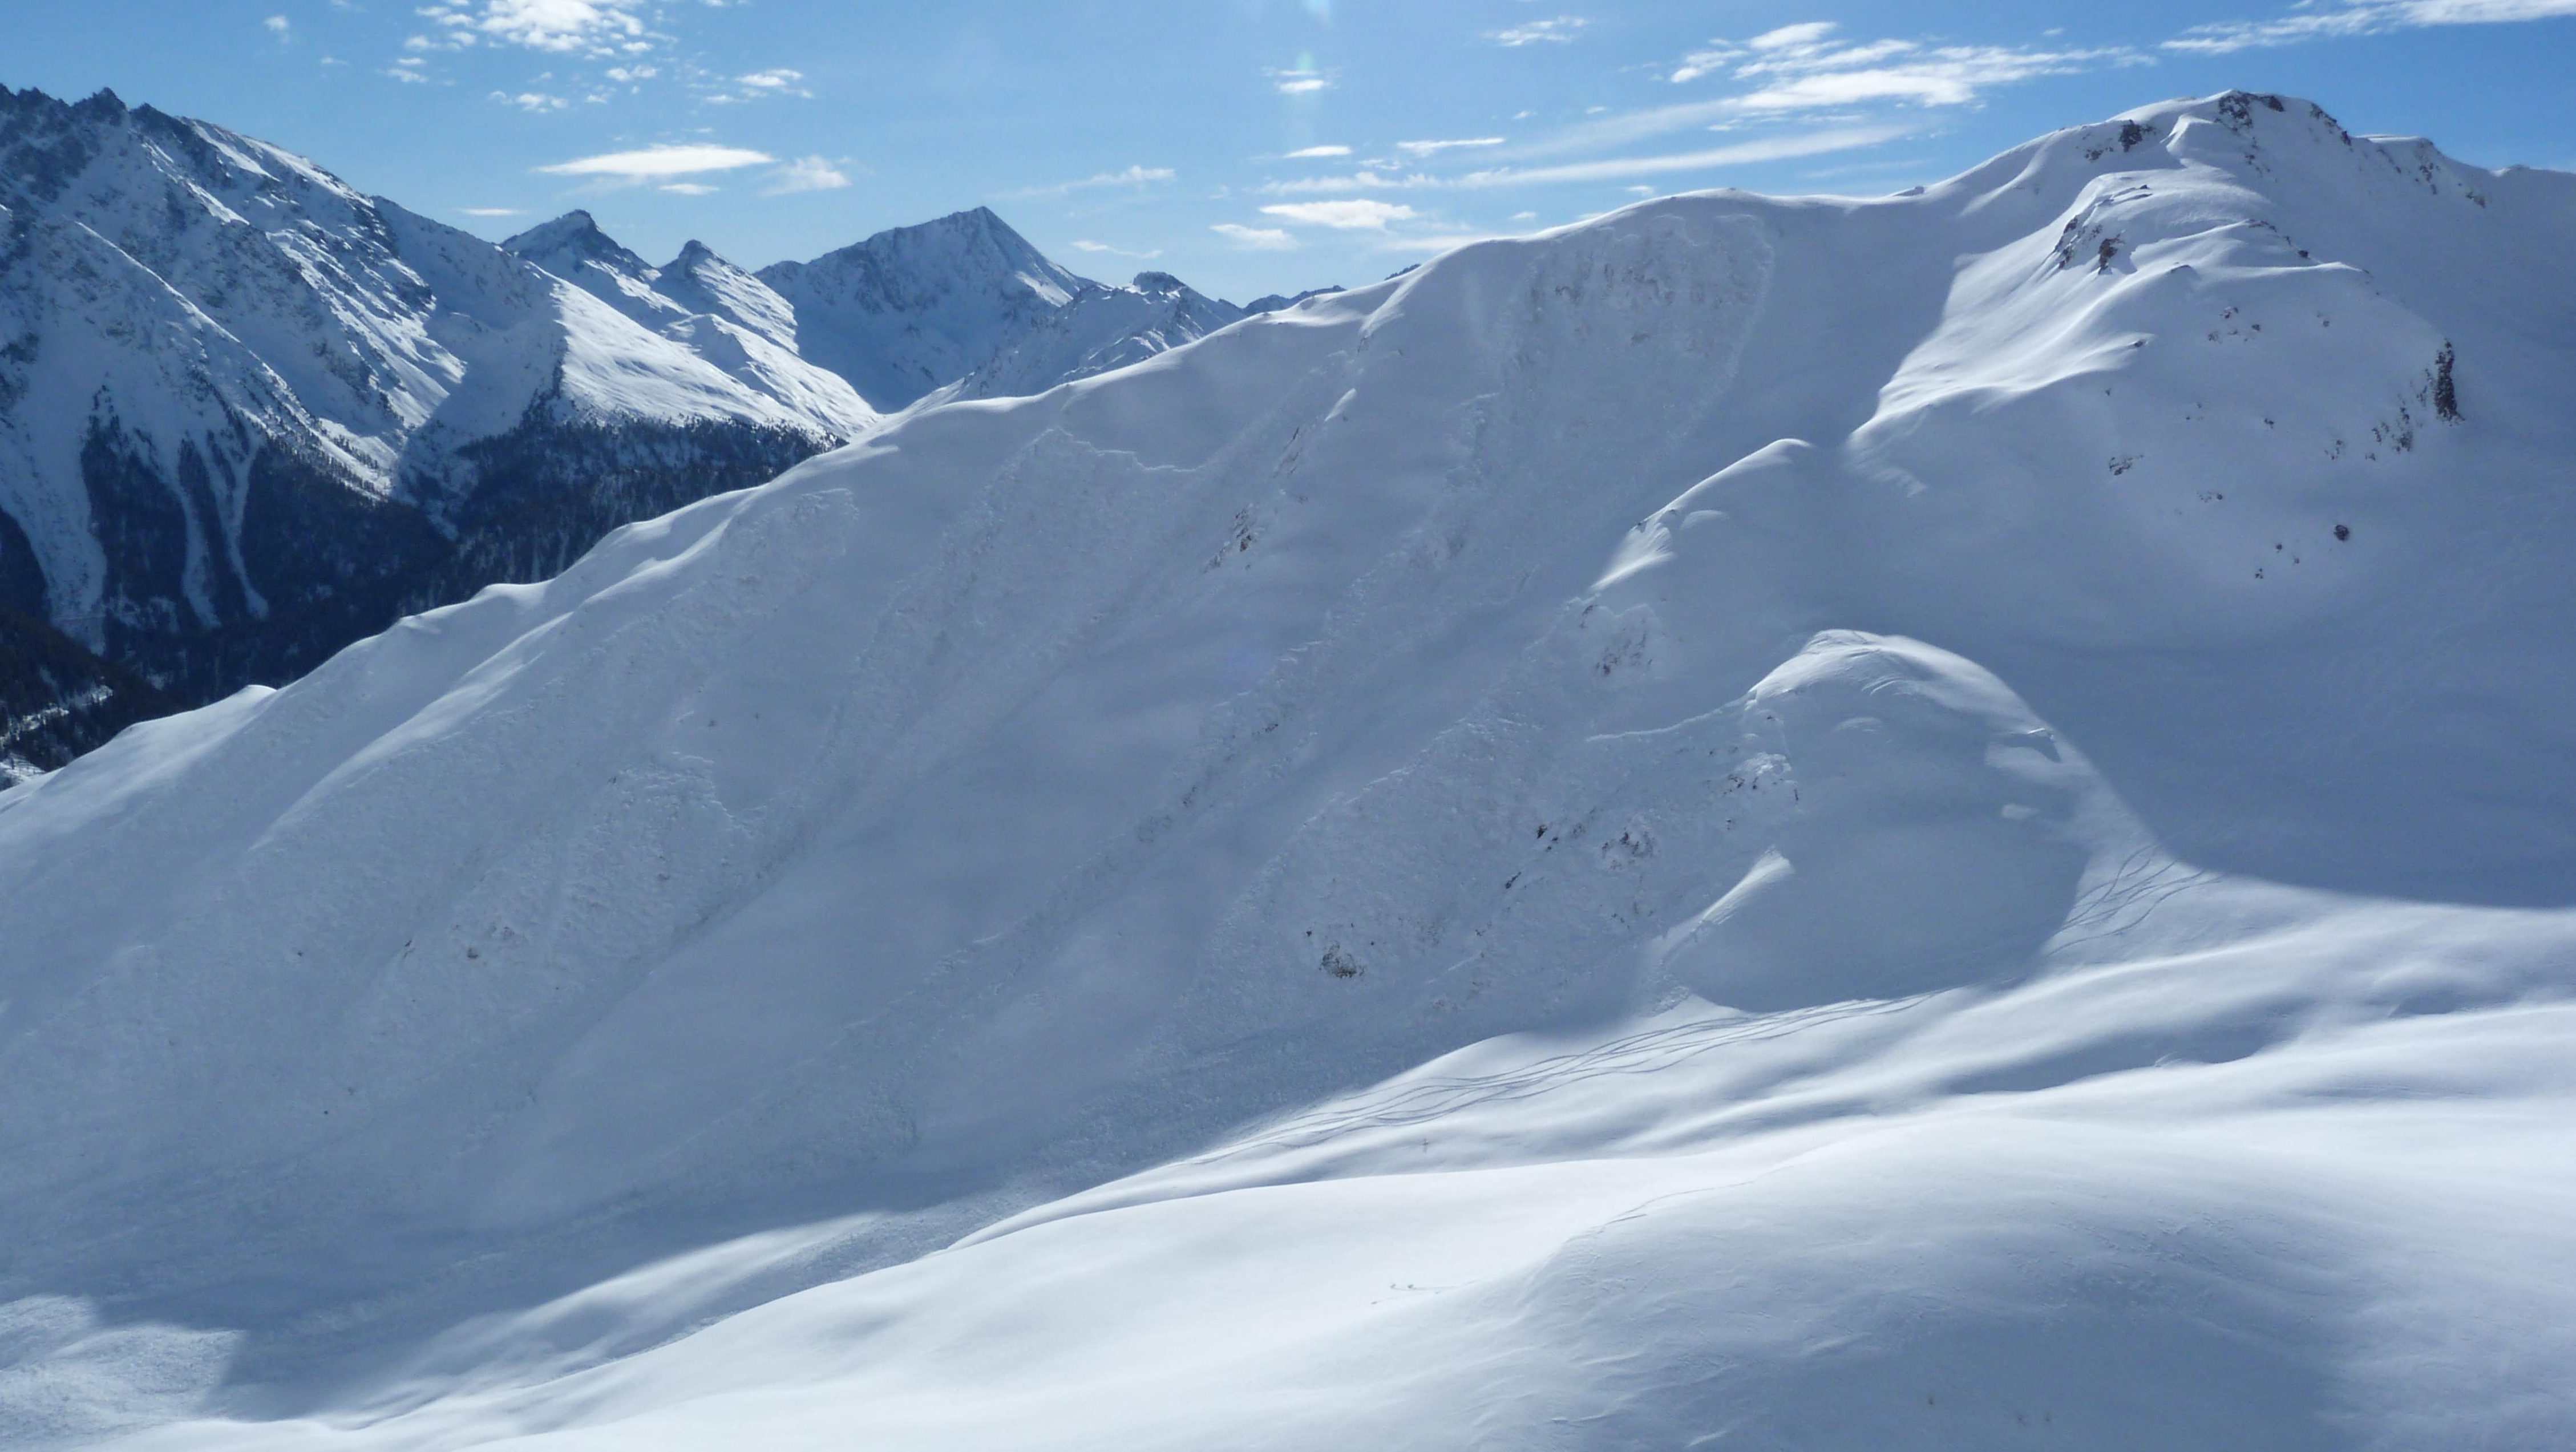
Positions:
{"x": 707, "y": 305}
{"x": 1940, "y": 821}
{"x": 1099, "y": 328}
{"x": 245, "y": 411}
{"x": 965, "y": 301}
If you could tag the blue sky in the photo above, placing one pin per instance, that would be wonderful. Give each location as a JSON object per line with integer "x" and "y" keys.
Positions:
{"x": 1248, "y": 145}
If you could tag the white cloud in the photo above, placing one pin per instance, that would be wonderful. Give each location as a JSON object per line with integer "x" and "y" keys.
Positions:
{"x": 1793, "y": 37}
{"x": 1808, "y": 67}
{"x": 1307, "y": 152}
{"x": 1255, "y": 239}
{"x": 1351, "y": 214}
{"x": 629, "y": 75}
{"x": 493, "y": 211}
{"x": 779, "y": 82}
{"x": 686, "y": 189}
{"x": 408, "y": 70}
{"x": 1300, "y": 81}
{"x": 1105, "y": 250}
{"x": 805, "y": 174}
{"x": 1132, "y": 176}
{"x": 1430, "y": 148}
{"x": 2361, "y": 17}
{"x": 531, "y": 100}
{"x": 653, "y": 163}
{"x": 276, "y": 26}
{"x": 580, "y": 27}
{"x": 1560, "y": 30}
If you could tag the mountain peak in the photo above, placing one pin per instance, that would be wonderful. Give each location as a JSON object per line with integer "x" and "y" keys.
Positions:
{"x": 571, "y": 240}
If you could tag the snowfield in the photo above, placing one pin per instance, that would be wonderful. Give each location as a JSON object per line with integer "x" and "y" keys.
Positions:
{"x": 1934, "y": 822}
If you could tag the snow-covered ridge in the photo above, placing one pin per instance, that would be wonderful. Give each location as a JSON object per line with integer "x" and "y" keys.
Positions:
{"x": 707, "y": 306}
{"x": 1937, "y": 821}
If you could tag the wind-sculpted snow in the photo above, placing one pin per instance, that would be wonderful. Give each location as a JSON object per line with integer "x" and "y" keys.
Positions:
{"x": 1931, "y": 822}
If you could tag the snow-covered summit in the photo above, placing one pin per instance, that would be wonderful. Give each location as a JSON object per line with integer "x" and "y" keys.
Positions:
{"x": 572, "y": 242}
{"x": 913, "y": 308}
{"x": 706, "y": 305}
{"x": 1937, "y": 821}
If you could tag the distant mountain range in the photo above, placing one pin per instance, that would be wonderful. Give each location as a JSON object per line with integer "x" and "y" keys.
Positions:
{"x": 248, "y": 415}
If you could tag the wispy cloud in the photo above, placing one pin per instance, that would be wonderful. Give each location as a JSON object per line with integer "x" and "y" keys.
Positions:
{"x": 531, "y": 100}
{"x": 1103, "y": 249}
{"x": 687, "y": 189}
{"x": 1353, "y": 214}
{"x": 2360, "y": 17}
{"x": 658, "y": 163}
{"x": 1255, "y": 239}
{"x": 277, "y": 26}
{"x": 1560, "y": 30}
{"x": 1132, "y": 176}
{"x": 805, "y": 174}
{"x": 1303, "y": 80}
{"x": 1306, "y": 153}
{"x": 409, "y": 70}
{"x": 493, "y": 211}
{"x": 1810, "y": 66}
{"x": 1364, "y": 180}
{"x": 1783, "y": 147}
{"x": 1432, "y": 148}
{"x": 1742, "y": 153}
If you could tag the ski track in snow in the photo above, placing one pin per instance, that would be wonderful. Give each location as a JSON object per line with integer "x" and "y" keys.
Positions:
{"x": 1931, "y": 822}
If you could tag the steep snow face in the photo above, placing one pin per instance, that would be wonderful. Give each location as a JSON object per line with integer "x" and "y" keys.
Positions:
{"x": 911, "y": 309}
{"x": 1893, "y": 823}
{"x": 241, "y": 406}
{"x": 1100, "y": 328}
{"x": 704, "y": 309}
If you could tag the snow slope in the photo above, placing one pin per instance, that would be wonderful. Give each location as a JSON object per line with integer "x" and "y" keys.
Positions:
{"x": 1929, "y": 822}
{"x": 712, "y": 309}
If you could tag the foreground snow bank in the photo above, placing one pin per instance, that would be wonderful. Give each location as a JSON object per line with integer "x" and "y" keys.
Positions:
{"x": 1862, "y": 824}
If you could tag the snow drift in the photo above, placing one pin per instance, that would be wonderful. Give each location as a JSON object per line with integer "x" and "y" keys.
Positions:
{"x": 1925, "y": 822}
